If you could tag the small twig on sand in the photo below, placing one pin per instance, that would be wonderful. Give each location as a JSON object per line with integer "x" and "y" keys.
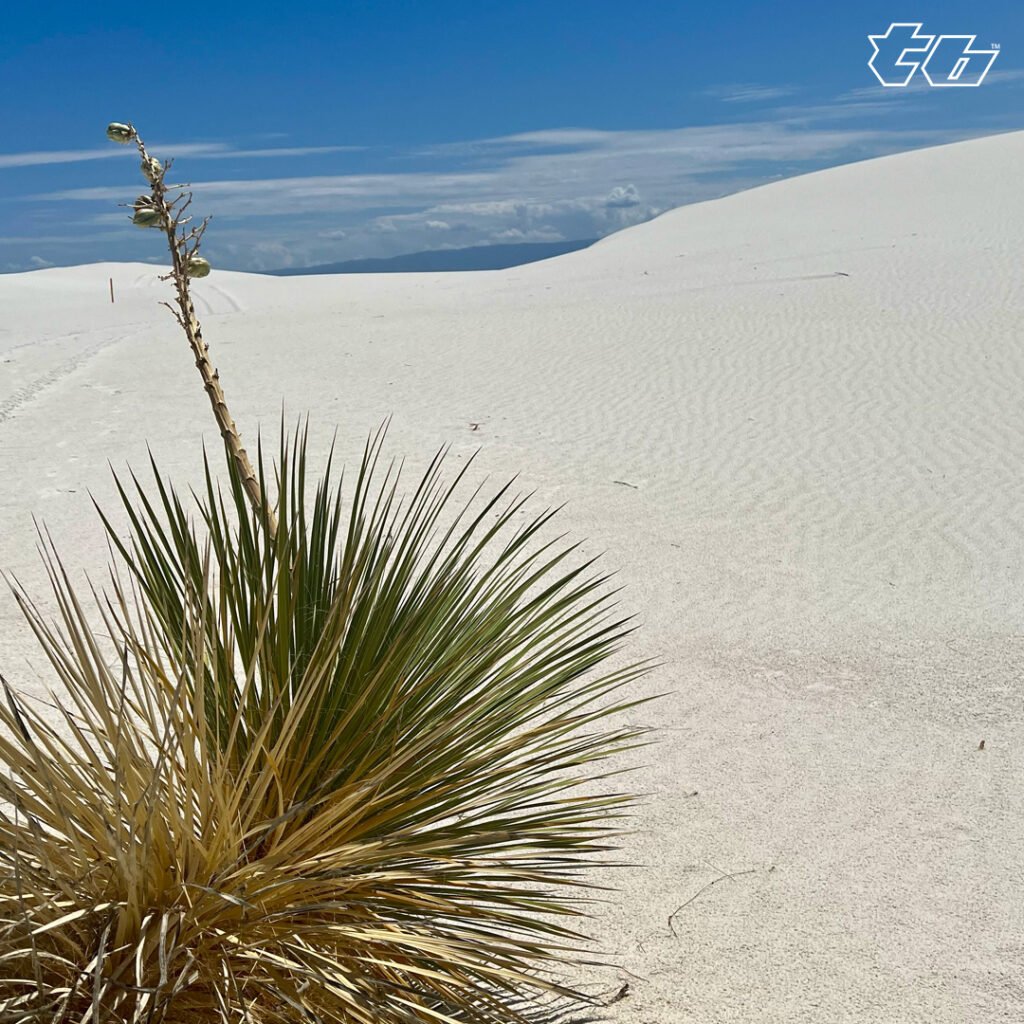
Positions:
{"x": 620, "y": 994}
{"x": 714, "y": 881}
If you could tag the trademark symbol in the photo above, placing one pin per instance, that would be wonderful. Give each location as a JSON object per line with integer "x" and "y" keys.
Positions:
{"x": 995, "y": 46}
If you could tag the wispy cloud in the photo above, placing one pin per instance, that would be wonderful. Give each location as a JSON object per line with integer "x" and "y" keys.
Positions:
{"x": 598, "y": 170}
{"x": 1004, "y": 76}
{"x": 738, "y": 93}
{"x": 282, "y": 151}
{"x": 193, "y": 150}
{"x": 550, "y": 140}
{"x": 565, "y": 183}
{"x": 40, "y": 158}
{"x": 538, "y": 186}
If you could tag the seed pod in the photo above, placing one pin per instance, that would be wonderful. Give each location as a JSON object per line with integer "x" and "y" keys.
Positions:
{"x": 151, "y": 169}
{"x": 197, "y": 266}
{"x": 123, "y": 133}
{"x": 147, "y": 215}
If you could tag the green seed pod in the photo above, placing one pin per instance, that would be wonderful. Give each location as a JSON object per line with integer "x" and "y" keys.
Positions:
{"x": 197, "y": 266}
{"x": 148, "y": 217}
{"x": 151, "y": 169}
{"x": 123, "y": 133}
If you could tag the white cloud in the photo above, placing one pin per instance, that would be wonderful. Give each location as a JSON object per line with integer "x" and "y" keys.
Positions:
{"x": 561, "y": 138}
{"x": 192, "y": 150}
{"x": 534, "y": 234}
{"x": 568, "y": 183}
{"x": 279, "y": 152}
{"x": 64, "y": 156}
{"x": 749, "y": 93}
{"x": 1004, "y": 75}
{"x": 669, "y": 165}
{"x": 538, "y": 186}
{"x": 623, "y": 196}
{"x": 34, "y": 240}
{"x": 256, "y": 255}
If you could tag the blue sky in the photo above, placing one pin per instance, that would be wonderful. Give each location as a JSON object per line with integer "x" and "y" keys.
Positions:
{"x": 316, "y": 133}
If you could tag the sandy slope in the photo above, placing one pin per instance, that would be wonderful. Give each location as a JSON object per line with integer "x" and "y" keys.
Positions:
{"x": 793, "y": 418}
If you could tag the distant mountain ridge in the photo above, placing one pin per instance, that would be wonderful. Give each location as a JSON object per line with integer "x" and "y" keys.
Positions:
{"x": 475, "y": 257}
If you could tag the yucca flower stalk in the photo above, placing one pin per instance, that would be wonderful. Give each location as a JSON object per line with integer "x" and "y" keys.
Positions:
{"x": 354, "y": 767}
{"x": 167, "y": 207}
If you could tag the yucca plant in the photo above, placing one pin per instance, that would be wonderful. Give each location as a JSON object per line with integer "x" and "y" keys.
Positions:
{"x": 328, "y": 761}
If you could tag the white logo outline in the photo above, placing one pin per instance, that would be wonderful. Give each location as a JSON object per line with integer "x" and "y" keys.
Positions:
{"x": 929, "y": 46}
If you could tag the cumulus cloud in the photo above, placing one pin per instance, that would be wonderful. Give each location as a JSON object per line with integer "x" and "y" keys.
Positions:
{"x": 255, "y": 255}
{"x": 623, "y": 196}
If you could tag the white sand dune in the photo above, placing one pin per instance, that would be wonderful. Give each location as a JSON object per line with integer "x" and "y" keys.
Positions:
{"x": 793, "y": 418}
